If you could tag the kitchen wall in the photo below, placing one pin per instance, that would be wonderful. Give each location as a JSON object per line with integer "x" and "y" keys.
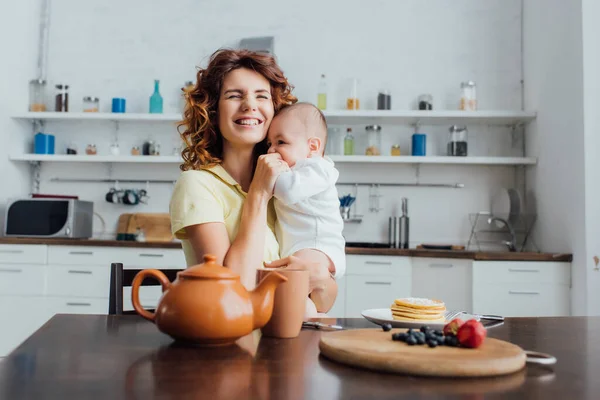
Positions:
{"x": 112, "y": 48}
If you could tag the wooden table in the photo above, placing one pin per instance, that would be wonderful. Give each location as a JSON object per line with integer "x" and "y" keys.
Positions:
{"x": 114, "y": 357}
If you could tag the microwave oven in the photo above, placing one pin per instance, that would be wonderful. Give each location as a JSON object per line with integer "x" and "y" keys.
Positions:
{"x": 49, "y": 217}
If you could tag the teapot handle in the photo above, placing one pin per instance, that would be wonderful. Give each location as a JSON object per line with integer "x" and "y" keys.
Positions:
{"x": 135, "y": 290}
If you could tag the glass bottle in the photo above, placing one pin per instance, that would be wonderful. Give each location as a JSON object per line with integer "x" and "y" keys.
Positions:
{"x": 37, "y": 95}
{"x": 188, "y": 87}
{"x": 61, "y": 103}
{"x": 349, "y": 143}
{"x": 91, "y": 104}
{"x": 322, "y": 94}
{"x": 425, "y": 102}
{"x": 374, "y": 140}
{"x": 156, "y": 100}
{"x": 468, "y": 98}
{"x": 353, "y": 102}
{"x": 457, "y": 143}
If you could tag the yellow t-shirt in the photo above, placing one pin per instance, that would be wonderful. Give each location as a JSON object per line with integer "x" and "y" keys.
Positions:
{"x": 212, "y": 195}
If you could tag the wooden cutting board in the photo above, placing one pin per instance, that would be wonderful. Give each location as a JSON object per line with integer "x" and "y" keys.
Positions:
{"x": 155, "y": 226}
{"x": 374, "y": 349}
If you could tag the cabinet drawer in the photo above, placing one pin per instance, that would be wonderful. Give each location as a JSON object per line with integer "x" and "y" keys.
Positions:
{"x": 23, "y": 253}
{"x": 83, "y": 255}
{"x": 77, "y": 305}
{"x": 449, "y": 280}
{"x": 522, "y": 299}
{"x": 149, "y": 297}
{"x": 521, "y": 272}
{"x": 363, "y": 292}
{"x": 22, "y": 279}
{"x": 139, "y": 258}
{"x": 87, "y": 281}
{"x": 377, "y": 265}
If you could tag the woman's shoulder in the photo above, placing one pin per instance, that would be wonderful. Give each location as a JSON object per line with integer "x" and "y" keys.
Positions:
{"x": 195, "y": 176}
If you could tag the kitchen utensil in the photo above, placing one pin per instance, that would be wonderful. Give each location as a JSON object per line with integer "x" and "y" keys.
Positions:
{"x": 374, "y": 349}
{"x": 382, "y": 316}
{"x": 454, "y": 247}
{"x": 156, "y": 226}
{"x": 320, "y": 325}
{"x": 289, "y": 304}
{"x": 450, "y": 315}
{"x": 207, "y": 304}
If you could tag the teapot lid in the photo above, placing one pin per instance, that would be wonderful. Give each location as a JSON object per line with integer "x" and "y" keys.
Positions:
{"x": 209, "y": 270}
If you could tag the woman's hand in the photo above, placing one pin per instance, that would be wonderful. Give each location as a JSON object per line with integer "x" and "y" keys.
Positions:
{"x": 268, "y": 168}
{"x": 319, "y": 274}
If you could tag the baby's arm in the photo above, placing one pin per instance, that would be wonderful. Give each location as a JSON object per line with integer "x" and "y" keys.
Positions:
{"x": 313, "y": 177}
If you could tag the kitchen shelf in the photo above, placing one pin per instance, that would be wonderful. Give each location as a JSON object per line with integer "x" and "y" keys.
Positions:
{"x": 436, "y": 160}
{"x": 337, "y": 159}
{"x": 401, "y": 117}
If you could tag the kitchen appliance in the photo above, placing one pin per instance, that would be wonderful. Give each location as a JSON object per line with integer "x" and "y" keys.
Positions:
{"x": 49, "y": 217}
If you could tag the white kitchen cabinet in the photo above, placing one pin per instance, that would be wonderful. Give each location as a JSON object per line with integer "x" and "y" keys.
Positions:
{"x": 21, "y": 316}
{"x": 521, "y": 289}
{"x": 445, "y": 279}
{"x": 339, "y": 307}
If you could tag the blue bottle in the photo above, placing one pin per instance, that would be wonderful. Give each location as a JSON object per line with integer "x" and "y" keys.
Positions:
{"x": 156, "y": 100}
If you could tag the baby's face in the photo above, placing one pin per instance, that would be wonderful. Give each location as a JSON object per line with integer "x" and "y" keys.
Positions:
{"x": 287, "y": 136}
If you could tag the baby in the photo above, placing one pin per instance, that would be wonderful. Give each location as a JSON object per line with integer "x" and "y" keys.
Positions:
{"x": 309, "y": 225}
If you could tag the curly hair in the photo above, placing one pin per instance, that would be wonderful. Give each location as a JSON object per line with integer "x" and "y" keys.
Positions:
{"x": 202, "y": 138}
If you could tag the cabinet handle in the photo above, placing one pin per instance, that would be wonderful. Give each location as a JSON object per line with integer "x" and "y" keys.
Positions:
{"x": 379, "y": 262}
{"x": 441, "y": 265}
{"x": 12, "y": 251}
{"x": 523, "y": 270}
{"x": 378, "y": 283}
{"x": 519, "y": 292}
{"x": 76, "y": 271}
{"x": 79, "y": 304}
{"x": 11, "y": 270}
{"x": 82, "y": 253}
{"x": 151, "y": 255}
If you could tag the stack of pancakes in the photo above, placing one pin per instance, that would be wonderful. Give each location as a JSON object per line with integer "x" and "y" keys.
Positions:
{"x": 415, "y": 309}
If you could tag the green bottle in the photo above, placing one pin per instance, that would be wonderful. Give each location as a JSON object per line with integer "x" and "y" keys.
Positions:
{"x": 349, "y": 143}
{"x": 322, "y": 95}
{"x": 156, "y": 100}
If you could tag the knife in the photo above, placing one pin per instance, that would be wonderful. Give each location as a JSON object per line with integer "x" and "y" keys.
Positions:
{"x": 320, "y": 325}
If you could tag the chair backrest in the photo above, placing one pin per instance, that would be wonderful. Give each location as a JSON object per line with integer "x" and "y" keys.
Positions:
{"x": 120, "y": 278}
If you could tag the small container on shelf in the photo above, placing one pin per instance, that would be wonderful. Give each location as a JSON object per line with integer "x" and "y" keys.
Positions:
{"x": 37, "y": 95}
{"x": 91, "y": 104}
{"x": 91, "y": 149}
{"x": 384, "y": 100}
{"x": 135, "y": 151}
{"x": 114, "y": 149}
{"x": 349, "y": 143}
{"x": 425, "y": 102}
{"x": 395, "y": 151}
{"x": 353, "y": 102}
{"x": 71, "y": 149}
{"x": 322, "y": 93}
{"x": 61, "y": 100}
{"x": 468, "y": 98}
{"x": 457, "y": 142}
{"x": 374, "y": 140}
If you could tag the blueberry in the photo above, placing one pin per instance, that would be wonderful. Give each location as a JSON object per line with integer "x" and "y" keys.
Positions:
{"x": 396, "y": 336}
{"x": 421, "y": 339}
{"x": 438, "y": 332}
{"x": 402, "y": 337}
{"x": 386, "y": 327}
{"x": 425, "y": 328}
{"x": 451, "y": 341}
{"x": 410, "y": 331}
{"x": 441, "y": 340}
{"x": 432, "y": 343}
{"x": 411, "y": 341}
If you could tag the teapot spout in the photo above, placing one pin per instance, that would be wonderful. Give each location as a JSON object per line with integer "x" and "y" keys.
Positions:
{"x": 262, "y": 298}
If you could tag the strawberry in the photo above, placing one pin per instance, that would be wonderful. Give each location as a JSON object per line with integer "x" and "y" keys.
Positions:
{"x": 471, "y": 334}
{"x": 452, "y": 327}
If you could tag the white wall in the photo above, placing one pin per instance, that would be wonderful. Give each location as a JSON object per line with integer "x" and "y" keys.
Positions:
{"x": 18, "y": 41}
{"x": 410, "y": 47}
{"x": 553, "y": 74}
{"x": 591, "y": 96}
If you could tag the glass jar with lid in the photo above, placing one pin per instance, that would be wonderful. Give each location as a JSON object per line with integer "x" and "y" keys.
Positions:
{"x": 37, "y": 95}
{"x": 373, "y": 140}
{"x": 61, "y": 103}
{"x": 468, "y": 98}
{"x": 91, "y": 104}
{"x": 457, "y": 142}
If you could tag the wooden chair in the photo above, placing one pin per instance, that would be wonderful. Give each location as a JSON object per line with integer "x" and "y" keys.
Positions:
{"x": 120, "y": 278}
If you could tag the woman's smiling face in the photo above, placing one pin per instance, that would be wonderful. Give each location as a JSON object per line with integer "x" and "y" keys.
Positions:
{"x": 245, "y": 108}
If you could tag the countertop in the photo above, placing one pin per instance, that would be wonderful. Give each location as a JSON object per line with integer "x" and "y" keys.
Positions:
{"x": 117, "y": 357}
{"x": 470, "y": 255}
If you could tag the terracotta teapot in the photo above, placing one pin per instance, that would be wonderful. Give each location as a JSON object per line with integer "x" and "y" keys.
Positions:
{"x": 207, "y": 304}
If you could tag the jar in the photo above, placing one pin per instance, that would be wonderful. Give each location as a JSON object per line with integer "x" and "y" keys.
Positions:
{"x": 349, "y": 143}
{"x": 72, "y": 148}
{"x": 37, "y": 95}
{"x": 114, "y": 149}
{"x": 333, "y": 144}
{"x": 91, "y": 104}
{"x": 373, "y": 140}
{"x": 468, "y": 98}
{"x": 384, "y": 100}
{"x": 425, "y": 102}
{"x": 457, "y": 143}
{"x": 135, "y": 151}
{"x": 61, "y": 103}
{"x": 395, "y": 151}
{"x": 91, "y": 150}
{"x": 353, "y": 102}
